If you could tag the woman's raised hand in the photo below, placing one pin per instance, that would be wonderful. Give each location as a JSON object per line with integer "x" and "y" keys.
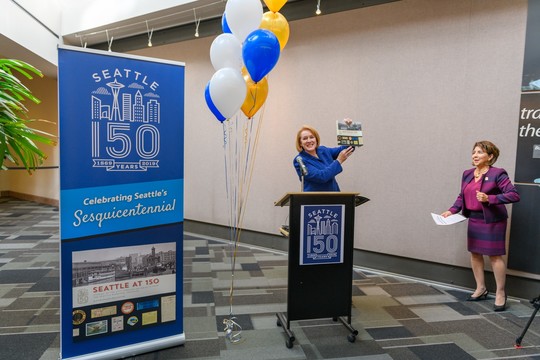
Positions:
{"x": 344, "y": 154}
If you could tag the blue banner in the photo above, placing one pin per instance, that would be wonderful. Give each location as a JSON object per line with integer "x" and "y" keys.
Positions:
{"x": 322, "y": 234}
{"x": 121, "y": 126}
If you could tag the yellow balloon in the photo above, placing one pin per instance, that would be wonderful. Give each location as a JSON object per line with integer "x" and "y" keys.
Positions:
{"x": 275, "y": 5}
{"x": 278, "y": 25}
{"x": 255, "y": 96}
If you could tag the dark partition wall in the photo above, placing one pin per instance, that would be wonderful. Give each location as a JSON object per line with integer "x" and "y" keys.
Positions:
{"x": 524, "y": 251}
{"x": 524, "y": 248}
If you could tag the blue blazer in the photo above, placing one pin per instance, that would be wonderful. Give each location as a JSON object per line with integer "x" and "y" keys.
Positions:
{"x": 322, "y": 170}
{"x": 499, "y": 189}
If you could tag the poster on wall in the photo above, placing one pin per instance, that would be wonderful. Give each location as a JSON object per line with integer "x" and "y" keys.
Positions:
{"x": 525, "y": 222}
{"x": 530, "y": 80}
{"x": 121, "y": 126}
{"x": 322, "y": 234}
{"x": 528, "y": 149}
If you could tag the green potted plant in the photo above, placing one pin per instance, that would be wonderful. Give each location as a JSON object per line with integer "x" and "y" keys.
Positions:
{"x": 17, "y": 138}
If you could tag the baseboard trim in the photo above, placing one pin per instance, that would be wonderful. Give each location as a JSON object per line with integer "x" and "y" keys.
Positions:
{"x": 461, "y": 277}
{"x": 29, "y": 197}
{"x": 250, "y": 237}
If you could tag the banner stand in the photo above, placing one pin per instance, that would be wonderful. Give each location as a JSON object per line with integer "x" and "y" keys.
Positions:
{"x": 121, "y": 131}
{"x": 136, "y": 349}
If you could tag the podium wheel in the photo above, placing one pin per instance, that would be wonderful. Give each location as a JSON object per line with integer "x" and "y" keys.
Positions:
{"x": 351, "y": 338}
{"x": 289, "y": 343}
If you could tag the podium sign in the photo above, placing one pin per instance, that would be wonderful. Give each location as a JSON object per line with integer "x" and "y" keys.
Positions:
{"x": 322, "y": 234}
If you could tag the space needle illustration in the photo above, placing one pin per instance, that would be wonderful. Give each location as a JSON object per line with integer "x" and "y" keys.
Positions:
{"x": 115, "y": 88}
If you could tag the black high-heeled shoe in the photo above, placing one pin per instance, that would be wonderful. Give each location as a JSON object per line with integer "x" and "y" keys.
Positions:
{"x": 482, "y": 296}
{"x": 498, "y": 308}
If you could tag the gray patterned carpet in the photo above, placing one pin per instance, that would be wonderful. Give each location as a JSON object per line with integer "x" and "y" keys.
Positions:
{"x": 396, "y": 318}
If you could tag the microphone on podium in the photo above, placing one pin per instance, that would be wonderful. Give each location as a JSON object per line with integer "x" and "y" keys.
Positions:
{"x": 303, "y": 167}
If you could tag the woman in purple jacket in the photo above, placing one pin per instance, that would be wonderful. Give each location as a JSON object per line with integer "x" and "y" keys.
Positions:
{"x": 318, "y": 164}
{"x": 484, "y": 191}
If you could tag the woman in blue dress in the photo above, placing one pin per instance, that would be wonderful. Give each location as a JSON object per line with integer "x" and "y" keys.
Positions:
{"x": 319, "y": 164}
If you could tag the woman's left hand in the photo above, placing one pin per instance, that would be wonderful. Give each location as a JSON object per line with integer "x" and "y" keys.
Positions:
{"x": 482, "y": 197}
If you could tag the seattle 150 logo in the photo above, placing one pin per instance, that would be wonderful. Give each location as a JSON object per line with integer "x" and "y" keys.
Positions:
{"x": 125, "y": 121}
{"x": 322, "y": 233}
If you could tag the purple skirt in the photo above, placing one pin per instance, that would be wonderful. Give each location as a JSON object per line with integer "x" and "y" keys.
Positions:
{"x": 486, "y": 239}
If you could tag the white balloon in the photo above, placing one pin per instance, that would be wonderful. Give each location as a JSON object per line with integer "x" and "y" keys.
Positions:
{"x": 228, "y": 91}
{"x": 226, "y": 51}
{"x": 243, "y": 16}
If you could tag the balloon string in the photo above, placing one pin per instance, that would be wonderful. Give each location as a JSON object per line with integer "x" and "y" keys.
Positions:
{"x": 234, "y": 205}
{"x": 234, "y": 202}
{"x": 225, "y": 158}
{"x": 226, "y": 146}
{"x": 243, "y": 173}
{"x": 230, "y": 181}
{"x": 245, "y": 150}
{"x": 250, "y": 151}
{"x": 247, "y": 183}
{"x": 242, "y": 198}
{"x": 235, "y": 232}
{"x": 236, "y": 209}
{"x": 226, "y": 135}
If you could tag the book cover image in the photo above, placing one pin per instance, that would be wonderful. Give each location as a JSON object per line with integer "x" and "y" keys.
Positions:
{"x": 349, "y": 133}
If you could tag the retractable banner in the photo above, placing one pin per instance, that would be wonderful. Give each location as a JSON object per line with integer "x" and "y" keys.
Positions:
{"x": 121, "y": 126}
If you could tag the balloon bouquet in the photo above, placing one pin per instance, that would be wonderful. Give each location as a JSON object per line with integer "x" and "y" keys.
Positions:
{"x": 243, "y": 56}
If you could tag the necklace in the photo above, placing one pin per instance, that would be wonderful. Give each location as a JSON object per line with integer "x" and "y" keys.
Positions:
{"x": 477, "y": 173}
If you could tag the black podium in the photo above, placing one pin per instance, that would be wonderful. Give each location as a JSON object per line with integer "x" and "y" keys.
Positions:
{"x": 321, "y": 237}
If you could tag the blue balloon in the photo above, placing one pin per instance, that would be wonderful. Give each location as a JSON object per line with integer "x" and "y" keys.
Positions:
{"x": 260, "y": 53}
{"x": 211, "y": 105}
{"x": 224, "y": 25}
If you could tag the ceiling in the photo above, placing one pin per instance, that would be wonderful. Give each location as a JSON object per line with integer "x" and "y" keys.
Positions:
{"x": 179, "y": 23}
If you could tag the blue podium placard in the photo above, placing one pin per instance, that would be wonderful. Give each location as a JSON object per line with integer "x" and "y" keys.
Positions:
{"x": 321, "y": 234}
{"x": 121, "y": 126}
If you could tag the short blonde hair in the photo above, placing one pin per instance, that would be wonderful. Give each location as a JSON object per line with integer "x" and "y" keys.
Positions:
{"x": 299, "y": 134}
{"x": 489, "y": 148}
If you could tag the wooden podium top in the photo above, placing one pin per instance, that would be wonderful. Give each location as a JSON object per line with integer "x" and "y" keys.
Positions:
{"x": 285, "y": 199}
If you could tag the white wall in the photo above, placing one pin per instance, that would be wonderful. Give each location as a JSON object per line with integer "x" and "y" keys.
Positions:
{"x": 426, "y": 78}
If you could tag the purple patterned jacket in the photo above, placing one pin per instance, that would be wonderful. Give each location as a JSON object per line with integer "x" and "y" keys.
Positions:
{"x": 500, "y": 190}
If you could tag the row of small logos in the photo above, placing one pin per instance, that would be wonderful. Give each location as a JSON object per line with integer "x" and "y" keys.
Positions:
{"x": 125, "y": 315}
